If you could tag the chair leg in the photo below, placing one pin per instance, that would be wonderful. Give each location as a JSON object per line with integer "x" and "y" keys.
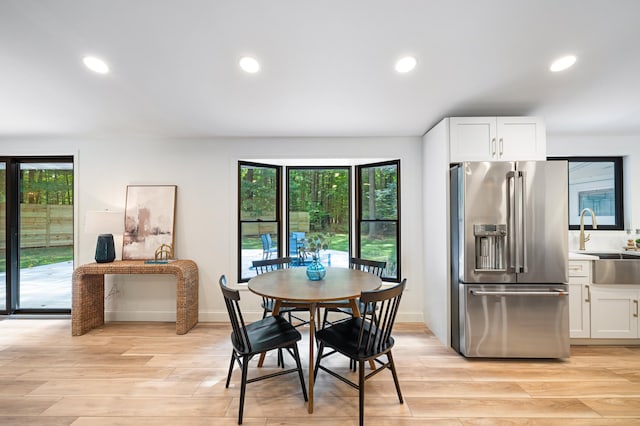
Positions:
{"x": 243, "y": 386}
{"x": 318, "y": 358}
{"x": 299, "y": 366}
{"x": 233, "y": 360}
{"x": 280, "y": 358}
{"x": 361, "y": 390}
{"x": 324, "y": 320}
{"x": 392, "y": 366}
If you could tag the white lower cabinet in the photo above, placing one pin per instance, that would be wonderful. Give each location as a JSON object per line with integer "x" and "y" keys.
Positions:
{"x": 579, "y": 298}
{"x": 601, "y": 311}
{"x": 614, "y": 311}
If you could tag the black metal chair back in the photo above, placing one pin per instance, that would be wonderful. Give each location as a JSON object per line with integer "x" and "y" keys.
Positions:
{"x": 364, "y": 339}
{"x": 240, "y": 337}
{"x": 378, "y": 318}
{"x": 248, "y": 340}
{"x": 374, "y": 267}
{"x": 268, "y": 265}
{"x": 371, "y": 266}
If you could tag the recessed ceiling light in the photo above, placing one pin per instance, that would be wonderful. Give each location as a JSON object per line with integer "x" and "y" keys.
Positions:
{"x": 406, "y": 64}
{"x": 96, "y": 65}
{"x": 562, "y": 63}
{"x": 250, "y": 65}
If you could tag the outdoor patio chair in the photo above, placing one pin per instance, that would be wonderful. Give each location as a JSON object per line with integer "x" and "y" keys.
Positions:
{"x": 364, "y": 339}
{"x": 267, "y": 246}
{"x": 248, "y": 340}
{"x": 296, "y": 244}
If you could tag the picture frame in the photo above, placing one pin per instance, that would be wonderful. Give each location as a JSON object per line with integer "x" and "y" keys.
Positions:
{"x": 149, "y": 220}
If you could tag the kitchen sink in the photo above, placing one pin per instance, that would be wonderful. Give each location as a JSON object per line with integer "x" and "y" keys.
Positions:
{"x": 620, "y": 270}
{"x": 613, "y": 255}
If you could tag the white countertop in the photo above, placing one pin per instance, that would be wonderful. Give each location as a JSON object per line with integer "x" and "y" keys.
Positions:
{"x": 573, "y": 255}
{"x": 585, "y": 255}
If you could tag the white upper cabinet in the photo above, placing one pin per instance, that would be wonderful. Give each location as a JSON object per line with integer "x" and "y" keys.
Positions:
{"x": 497, "y": 139}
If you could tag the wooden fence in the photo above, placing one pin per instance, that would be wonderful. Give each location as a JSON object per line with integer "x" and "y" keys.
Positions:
{"x": 41, "y": 225}
{"x": 298, "y": 221}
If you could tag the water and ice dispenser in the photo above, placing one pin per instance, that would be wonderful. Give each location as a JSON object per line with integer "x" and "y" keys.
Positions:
{"x": 490, "y": 246}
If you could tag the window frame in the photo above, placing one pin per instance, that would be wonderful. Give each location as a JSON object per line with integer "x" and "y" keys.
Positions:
{"x": 360, "y": 221}
{"x": 618, "y": 189}
{"x": 349, "y": 170}
{"x": 278, "y": 212}
{"x": 355, "y": 210}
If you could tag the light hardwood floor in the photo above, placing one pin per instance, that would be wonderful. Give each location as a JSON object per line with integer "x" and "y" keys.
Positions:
{"x": 145, "y": 374}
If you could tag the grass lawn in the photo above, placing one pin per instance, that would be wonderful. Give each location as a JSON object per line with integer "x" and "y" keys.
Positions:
{"x": 30, "y": 257}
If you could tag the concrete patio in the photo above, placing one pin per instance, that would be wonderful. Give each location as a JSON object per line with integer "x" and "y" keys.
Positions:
{"x": 44, "y": 287}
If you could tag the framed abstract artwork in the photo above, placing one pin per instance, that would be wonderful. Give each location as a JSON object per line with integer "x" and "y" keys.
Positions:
{"x": 149, "y": 220}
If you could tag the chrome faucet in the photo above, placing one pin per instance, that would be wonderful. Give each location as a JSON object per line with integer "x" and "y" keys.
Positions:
{"x": 584, "y": 239}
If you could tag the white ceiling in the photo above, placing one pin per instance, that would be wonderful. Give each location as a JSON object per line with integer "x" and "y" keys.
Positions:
{"x": 327, "y": 66}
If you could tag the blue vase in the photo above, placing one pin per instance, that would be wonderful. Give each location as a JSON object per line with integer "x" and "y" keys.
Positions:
{"x": 315, "y": 271}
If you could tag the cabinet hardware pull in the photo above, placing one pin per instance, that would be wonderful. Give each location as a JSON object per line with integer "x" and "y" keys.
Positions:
{"x": 493, "y": 147}
{"x": 501, "y": 147}
{"x": 588, "y": 299}
{"x": 635, "y": 315}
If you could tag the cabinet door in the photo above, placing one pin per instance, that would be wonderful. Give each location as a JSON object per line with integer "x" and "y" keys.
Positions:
{"x": 579, "y": 304}
{"x": 614, "y": 312}
{"x": 473, "y": 139}
{"x": 521, "y": 138}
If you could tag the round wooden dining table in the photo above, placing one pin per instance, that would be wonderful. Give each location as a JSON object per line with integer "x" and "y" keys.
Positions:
{"x": 291, "y": 287}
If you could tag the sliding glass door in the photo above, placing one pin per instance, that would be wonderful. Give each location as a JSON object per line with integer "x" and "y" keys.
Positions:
{"x": 38, "y": 234}
{"x": 3, "y": 236}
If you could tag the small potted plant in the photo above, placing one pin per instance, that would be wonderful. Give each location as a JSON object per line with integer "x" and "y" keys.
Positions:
{"x": 637, "y": 242}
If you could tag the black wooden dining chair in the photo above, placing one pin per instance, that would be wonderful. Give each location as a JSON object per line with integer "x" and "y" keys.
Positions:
{"x": 268, "y": 265}
{"x": 248, "y": 340}
{"x": 374, "y": 267}
{"x": 364, "y": 339}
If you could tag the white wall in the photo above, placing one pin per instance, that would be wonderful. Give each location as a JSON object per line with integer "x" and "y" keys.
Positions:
{"x": 436, "y": 240}
{"x": 205, "y": 172}
{"x": 606, "y": 146}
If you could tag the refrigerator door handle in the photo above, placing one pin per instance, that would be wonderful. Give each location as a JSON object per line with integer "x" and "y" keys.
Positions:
{"x": 522, "y": 180}
{"x": 511, "y": 223}
{"x": 517, "y": 220}
{"x": 551, "y": 292}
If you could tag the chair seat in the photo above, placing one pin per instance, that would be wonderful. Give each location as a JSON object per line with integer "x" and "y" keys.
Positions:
{"x": 343, "y": 337}
{"x": 267, "y": 334}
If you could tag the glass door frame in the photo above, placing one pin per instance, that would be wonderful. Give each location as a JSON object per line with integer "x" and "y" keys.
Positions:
{"x": 12, "y": 206}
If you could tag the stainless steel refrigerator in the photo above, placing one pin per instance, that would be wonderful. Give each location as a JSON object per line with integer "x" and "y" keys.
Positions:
{"x": 509, "y": 259}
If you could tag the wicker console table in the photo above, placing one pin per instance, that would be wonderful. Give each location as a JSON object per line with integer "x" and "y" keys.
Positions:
{"x": 87, "y": 309}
